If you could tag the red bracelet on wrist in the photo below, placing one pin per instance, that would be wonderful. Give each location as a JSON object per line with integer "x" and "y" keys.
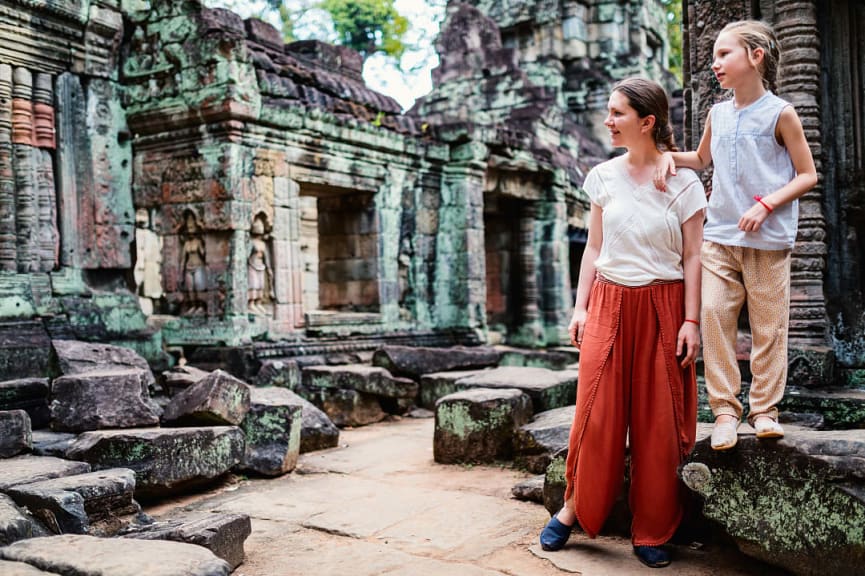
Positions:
{"x": 697, "y": 322}
{"x": 759, "y": 199}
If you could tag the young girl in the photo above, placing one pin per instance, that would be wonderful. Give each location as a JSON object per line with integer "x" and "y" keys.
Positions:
{"x": 636, "y": 323}
{"x": 762, "y": 165}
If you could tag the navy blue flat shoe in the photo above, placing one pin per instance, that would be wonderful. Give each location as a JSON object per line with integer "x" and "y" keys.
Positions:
{"x": 554, "y": 535}
{"x": 652, "y": 556}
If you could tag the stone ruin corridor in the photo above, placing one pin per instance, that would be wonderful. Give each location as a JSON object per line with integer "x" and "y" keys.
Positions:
{"x": 229, "y": 268}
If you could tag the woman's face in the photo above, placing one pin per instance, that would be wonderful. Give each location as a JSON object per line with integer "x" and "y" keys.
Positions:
{"x": 622, "y": 121}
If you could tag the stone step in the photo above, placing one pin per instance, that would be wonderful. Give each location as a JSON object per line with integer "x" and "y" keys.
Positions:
{"x": 478, "y": 425}
{"x": 91, "y": 556}
{"x": 165, "y": 460}
{"x": 439, "y": 384}
{"x": 92, "y": 503}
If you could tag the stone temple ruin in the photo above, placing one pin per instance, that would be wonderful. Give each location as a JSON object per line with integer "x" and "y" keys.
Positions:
{"x": 181, "y": 189}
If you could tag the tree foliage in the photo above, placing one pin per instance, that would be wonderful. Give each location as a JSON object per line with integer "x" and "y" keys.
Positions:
{"x": 674, "y": 36}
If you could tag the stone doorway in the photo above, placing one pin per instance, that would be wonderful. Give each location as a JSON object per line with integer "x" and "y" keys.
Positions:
{"x": 577, "y": 238}
{"x": 506, "y": 273}
{"x": 339, "y": 245}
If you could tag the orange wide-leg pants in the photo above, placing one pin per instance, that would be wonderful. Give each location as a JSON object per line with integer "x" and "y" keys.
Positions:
{"x": 631, "y": 387}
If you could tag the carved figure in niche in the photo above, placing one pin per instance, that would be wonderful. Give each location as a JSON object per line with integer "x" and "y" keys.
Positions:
{"x": 260, "y": 274}
{"x": 194, "y": 268}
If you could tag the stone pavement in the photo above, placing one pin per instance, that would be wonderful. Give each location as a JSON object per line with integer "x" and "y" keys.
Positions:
{"x": 379, "y": 505}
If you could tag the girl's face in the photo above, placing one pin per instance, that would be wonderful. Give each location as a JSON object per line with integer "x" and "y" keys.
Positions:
{"x": 733, "y": 63}
{"x": 623, "y": 122}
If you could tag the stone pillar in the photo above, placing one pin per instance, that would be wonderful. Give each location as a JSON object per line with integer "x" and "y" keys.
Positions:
{"x": 43, "y": 127}
{"x": 287, "y": 268}
{"x": 26, "y": 217}
{"x": 811, "y": 360}
{"x": 460, "y": 283}
{"x": 529, "y": 332}
{"x": 8, "y": 248}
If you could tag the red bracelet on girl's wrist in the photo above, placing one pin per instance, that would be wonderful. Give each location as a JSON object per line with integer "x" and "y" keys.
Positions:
{"x": 697, "y": 322}
{"x": 759, "y": 199}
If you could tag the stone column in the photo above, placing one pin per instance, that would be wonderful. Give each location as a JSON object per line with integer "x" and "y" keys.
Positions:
{"x": 529, "y": 332}
{"x": 8, "y": 250}
{"x": 26, "y": 217}
{"x": 460, "y": 272}
{"x": 811, "y": 360}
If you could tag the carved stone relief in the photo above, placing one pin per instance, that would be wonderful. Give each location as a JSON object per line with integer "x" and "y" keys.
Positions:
{"x": 194, "y": 267}
{"x": 259, "y": 270}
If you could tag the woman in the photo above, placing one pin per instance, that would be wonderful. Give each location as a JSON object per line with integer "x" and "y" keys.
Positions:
{"x": 636, "y": 324}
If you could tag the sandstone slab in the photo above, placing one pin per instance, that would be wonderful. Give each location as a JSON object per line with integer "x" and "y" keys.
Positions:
{"x": 317, "y": 431}
{"x": 797, "y": 502}
{"x": 47, "y": 443}
{"x": 14, "y": 524}
{"x": 372, "y": 380}
{"x": 531, "y": 489}
{"x": 91, "y": 556}
{"x": 102, "y": 399}
{"x": 552, "y": 359}
{"x": 478, "y": 425}
{"x": 28, "y": 468}
{"x": 439, "y": 384}
{"x": 547, "y": 433}
{"x": 76, "y": 357}
{"x": 222, "y": 534}
{"x": 413, "y": 362}
{"x": 15, "y": 433}
{"x": 8, "y": 568}
{"x": 90, "y": 503}
{"x": 272, "y": 429}
{"x": 30, "y": 395}
{"x": 347, "y": 407}
{"x": 218, "y": 399}
{"x": 548, "y": 389}
{"x": 165, "y": 460}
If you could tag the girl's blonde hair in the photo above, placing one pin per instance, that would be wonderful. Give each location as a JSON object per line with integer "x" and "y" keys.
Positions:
{"x": 756, "y": 34}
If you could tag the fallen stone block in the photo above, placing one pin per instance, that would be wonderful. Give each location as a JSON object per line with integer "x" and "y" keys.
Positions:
{"x": 530, "y": 490}
{"x": 278, "y": 373}
{"x": 8, "y": 568}
{"x": 317, "y": 431}
{"x": 478, "y": 425}
{"x": 216, "y": 400}
{"x": 165, "y": 460}
{"x": 439, "y": 384}
{"x": 29, "y": 468}
{"x": 222, "y": 534}
{"x": 836, "y": 408}
{"x": 179, "y": 378}
{"x": 107, "y": 399}
{"x": 25, "y": 350}
{"x": 14, "y": 524}
{"x": 91, "y": 556}
{"x": 547, "y": 433}
{"x": 76, "y": 357}
{"x": 413, "y": 362}
{"x": 347, "y": 407}
{"x": 272, "y": 429}
{"x": 367, "y": 379}
{"x": 552, "y": 359}
{"x": 30, "y": 395}
{"x": 15, "y": 434}
{"x": 47, "y": 443}
{"x": 548, "y": 389}
{"x": 796, "y": 502}
{"x": 92, "y": 503}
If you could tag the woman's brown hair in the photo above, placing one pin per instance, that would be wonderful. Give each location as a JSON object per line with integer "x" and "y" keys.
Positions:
{"x": 648, "y": 98}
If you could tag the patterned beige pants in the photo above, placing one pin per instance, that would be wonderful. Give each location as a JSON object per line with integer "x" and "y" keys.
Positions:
{"x": 733, "y": 275}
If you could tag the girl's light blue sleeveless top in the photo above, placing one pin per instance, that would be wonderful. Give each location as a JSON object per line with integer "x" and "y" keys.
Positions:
{"x": 748, "y": 160}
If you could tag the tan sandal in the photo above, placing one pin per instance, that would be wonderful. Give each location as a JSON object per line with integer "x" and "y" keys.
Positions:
{"x": 724, "y": 435}
{"x": 765, "y": 427}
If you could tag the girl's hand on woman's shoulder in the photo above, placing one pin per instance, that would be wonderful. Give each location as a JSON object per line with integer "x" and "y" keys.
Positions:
{"x": 665, "y": 165}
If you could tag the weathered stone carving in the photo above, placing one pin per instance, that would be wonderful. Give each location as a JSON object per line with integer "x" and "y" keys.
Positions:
{"x": 194, "y": 267}
{"x": 8, "y": 248}
{"x": 260, "y": 272}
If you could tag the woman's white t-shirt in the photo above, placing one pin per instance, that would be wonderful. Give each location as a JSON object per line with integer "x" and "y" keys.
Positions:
{"x": 642, "y": 226}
